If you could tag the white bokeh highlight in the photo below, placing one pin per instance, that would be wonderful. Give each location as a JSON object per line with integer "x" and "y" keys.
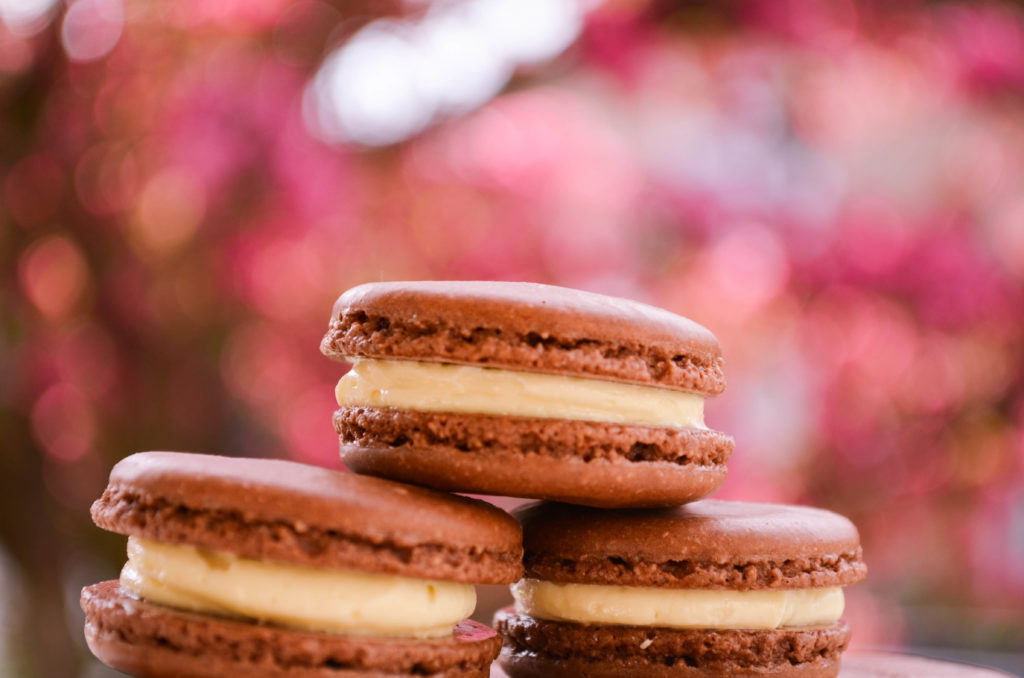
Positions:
{"x": 392, "y": 79}
{"x": 26, "y": 17}
{"x": 92, "y": 28}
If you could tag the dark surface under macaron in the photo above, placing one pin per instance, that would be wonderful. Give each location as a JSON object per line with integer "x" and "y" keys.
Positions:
{"x": 704, "y": 545}
{"x": 891, "y": 665}
{"x": 887, "y": 665}
{"x": 292, "y": 513}
{"x": 533, "y": 328}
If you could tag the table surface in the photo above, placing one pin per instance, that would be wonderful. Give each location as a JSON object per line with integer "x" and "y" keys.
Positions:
{"x": 885, "y": 665}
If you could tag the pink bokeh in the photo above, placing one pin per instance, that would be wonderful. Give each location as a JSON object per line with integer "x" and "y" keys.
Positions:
{"x": 833, "y": 188}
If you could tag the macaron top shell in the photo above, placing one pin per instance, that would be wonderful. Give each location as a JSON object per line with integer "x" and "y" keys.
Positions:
{"x": 705, "y": 544}
{"x": 525, "y": 326}
{"x": 292, "y": 512}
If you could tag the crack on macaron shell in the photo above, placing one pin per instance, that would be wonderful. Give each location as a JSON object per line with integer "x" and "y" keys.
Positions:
{"x": 791, "y": 573}
{"x": 127, "y": 512}
{"x": 587, "y": 441}
{"x": 238, "y": 648}
{"x": 358, "y": 333}
{"x": 711, "y": 649}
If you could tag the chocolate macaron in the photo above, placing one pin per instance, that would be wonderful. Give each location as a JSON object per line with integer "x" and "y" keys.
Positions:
{"x": 710, "y": 589}
{"x": 255, "y": 567}
{"x": 527, "y": 390}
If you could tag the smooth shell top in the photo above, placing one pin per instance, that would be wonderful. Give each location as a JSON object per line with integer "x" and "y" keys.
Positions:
{"x": 271, "y": 490}
{"x": 708, "y": 531}
{"x": 525, "y": 326}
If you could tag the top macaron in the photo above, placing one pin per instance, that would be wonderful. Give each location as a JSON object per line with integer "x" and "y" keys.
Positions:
{"x": 525, "y": 326}
{"x": 527, "y": 390}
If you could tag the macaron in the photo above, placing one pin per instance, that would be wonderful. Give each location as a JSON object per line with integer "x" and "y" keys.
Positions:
{"x": 527, "y": 390}
{"x": 710, "y": 589}
{"x": 264, "y": 568}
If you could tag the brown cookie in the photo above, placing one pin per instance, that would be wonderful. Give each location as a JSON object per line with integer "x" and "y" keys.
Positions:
{"x": 295, "y": 513}
{"x": 159, "y": 642}
{"x": 537, "y": 647}
{"x": 707, "y": 546}
{"x": 523, "y": 328}
{"x": 283, "y": 520}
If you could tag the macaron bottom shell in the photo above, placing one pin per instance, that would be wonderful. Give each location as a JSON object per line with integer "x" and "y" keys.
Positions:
{"x": 535, "y": 648}
{"x": 154, "y": 641}
{"x": 599, "y": 483}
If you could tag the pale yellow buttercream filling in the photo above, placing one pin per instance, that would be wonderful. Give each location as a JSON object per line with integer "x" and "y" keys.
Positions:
{"x": 439, "y": 387}
{"x": 293, "y": 595}
{"x": 677, "y": 608}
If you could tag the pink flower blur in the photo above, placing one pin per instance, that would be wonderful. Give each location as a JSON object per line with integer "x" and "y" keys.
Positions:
{"x": 832, "y": 187}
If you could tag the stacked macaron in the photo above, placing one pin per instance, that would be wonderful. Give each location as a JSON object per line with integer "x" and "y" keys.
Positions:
{"x": 527, "y": 390}
{"x": 264, "y": 568}
{"x": 713, "y": 588}
{"x": 593, "y": 404}
{"x": 541, "y": 392}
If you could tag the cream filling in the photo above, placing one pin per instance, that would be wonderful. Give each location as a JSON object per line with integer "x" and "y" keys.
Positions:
{"x": 441, "y": 387}
{"x": 677, "y": 608}
{"x": 293, "y": 595}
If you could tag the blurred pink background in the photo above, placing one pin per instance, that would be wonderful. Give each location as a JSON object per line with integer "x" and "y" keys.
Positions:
{"x": 835, "y": 188}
